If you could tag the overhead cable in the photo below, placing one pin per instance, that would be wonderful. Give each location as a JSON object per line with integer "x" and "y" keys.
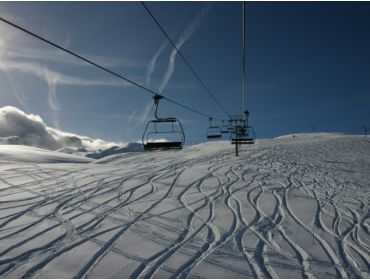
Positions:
{"x": 183, "y": 58}
{"x": 243, "y": 61}
{"x": 146, "y": 90}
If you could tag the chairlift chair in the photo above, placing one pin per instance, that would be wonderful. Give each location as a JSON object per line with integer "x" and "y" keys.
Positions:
{"x": 242, "y": 134}
{"x": 163, "y": 133}
{"x": 213, "y": 131}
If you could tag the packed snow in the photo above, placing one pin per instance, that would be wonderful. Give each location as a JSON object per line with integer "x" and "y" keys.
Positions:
{"x": 292, "y": 207}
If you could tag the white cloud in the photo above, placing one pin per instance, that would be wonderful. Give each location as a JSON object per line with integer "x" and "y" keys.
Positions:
{"x": 17, "y": 127}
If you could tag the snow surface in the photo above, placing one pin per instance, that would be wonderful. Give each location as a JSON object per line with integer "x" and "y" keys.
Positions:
{"x": 36, "y": 155}
{"x": 292, "y": 207}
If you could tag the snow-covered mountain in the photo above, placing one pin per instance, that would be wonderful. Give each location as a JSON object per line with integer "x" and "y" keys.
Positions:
{"x": 289, "y": 207}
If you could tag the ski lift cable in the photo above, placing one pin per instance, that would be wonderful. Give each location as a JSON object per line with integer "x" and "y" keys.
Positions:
{"x": 243, "y": 48}
{"x": 146, "y": 90}
{"x": 183, "y": 57}
{"x": 189, "y": 108}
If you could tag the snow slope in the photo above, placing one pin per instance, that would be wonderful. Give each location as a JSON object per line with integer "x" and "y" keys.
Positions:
{"x": 292, "y": 207}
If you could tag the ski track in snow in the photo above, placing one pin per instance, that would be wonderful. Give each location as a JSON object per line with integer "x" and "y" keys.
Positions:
{"x": 285, "y": 208}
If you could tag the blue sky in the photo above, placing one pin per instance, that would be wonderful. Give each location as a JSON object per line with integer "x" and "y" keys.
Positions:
{"x": 308, "y": 64}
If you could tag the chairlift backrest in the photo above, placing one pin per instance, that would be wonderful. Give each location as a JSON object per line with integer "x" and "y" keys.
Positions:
{"x": 213, "y": 131}
{"x": 163, "y": 133}
{"x": 242, "y": 135}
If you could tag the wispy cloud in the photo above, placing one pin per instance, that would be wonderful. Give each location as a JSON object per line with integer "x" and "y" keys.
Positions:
{"x": 21, "y": 52}
{"x": 140, "y": 116}
{"x": 5, "y": 38}
{"x": 17, "y": 55}
{"x": 183, "y": 39}
{"x": 146, "y": 111}
{"x": 52, "y": 81}
{"x": 53, "y": 77}
{"x": 14, "y": 89}
{"x": 153, "y": 63}
{"x": 16, "y": 46}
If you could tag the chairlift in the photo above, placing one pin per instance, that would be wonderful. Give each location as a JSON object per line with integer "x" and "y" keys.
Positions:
{"x": 213, "y": 131}
{"x": 163, "y": 133}
{"x": 242, "y": 135}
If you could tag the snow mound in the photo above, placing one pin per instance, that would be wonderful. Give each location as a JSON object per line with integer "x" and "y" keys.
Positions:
{"x": 18, "y": 153}
{"x": 19, "y": 128}
{"x": 311, "y": 135}
{"x": 128, "y": 148}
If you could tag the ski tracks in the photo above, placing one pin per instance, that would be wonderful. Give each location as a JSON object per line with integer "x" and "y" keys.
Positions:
{"x": 280, "y": 209}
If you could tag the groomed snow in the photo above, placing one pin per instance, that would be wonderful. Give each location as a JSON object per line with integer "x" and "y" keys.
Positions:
{"x": 292, "y": 207}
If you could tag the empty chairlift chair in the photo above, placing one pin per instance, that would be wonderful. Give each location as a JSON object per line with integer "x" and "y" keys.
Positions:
{"x": 213, "y": 131}
{"x": 163, "y": 133}
{"x": 242, "y": 134}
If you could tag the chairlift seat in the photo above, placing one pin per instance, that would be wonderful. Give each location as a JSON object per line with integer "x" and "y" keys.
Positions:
{"x": 164, "y": 120}
{"x": 154, "y": 131}
{"x": 213, "y": 132}
{"x": 242, "y": 141}
{"x": 163, "y": 145}
{"x": 242, "y": 135}
{"x": 212, "y": 136}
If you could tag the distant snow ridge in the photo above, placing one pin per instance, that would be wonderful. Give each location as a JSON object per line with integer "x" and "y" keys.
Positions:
{"x": 19, "y": 128}
{"x": 128, "y": 148}
{"x": 311, "y": 135}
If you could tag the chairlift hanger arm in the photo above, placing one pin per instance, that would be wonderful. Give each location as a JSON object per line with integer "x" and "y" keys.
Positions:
{"x": 157, "y": 98}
